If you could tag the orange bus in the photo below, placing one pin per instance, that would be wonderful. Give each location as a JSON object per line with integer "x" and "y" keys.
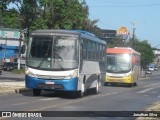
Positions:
{"x": 123, "y": 66}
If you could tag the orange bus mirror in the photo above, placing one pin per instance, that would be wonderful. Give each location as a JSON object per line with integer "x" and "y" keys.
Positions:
{"x": 133, "y": 59}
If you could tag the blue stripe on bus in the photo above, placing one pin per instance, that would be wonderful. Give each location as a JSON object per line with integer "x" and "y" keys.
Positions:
{"x": 68, "y": 84}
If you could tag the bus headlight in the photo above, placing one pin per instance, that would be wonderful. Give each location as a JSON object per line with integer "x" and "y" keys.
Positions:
{"x": 29, "y": 73}
{"x": 73, "y": 75}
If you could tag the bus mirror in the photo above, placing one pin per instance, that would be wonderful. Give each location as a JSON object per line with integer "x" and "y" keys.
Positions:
{"x": 133, "y": 59}
{"x": 23, "y": 49}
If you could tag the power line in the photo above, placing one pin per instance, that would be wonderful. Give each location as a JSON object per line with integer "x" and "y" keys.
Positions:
{"x": 156, "y": 45}
{"x": 146, "y": 5}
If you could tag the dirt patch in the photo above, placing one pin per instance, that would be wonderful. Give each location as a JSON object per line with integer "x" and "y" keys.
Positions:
{"x": 152, "y": 108}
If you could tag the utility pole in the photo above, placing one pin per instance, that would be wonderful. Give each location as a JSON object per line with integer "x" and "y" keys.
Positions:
{"x": 19, "y": 53}
{"x": 134, "y": 28}
{"x": 22, "y": 34}
{"x": 133, "y": 38}
{"x": 5, "y": 47}
{"x": 133, "y": 42}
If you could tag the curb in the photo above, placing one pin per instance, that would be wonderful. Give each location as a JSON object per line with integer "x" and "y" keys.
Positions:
{"x": 13, "y": 78}
{"x": 15, "y": 91}
{"x": 22, "y": 90}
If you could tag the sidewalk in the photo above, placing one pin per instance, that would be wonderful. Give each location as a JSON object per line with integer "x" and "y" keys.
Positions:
{"x": 10, "y": 87}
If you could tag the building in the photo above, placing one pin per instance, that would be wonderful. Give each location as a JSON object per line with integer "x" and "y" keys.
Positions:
{"x": 157, "y": 57}
{"x": 9, "y": 43}
{"x": 116, "y": 37}
{"x": 108, "y": 35}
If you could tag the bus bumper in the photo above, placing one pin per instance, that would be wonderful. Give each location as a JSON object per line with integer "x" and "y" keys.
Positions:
{"x": 64, "y": 84}
{"x": 127, "y": 79}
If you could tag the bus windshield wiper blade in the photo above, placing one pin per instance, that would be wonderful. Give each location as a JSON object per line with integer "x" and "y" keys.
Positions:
{"x": 56, "y": 56}
{"x": 40, "y": 64}
{"x": 60, "y": 65}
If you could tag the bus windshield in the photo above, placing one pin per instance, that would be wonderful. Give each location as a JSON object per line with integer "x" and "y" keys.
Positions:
{"x": 53, "y": 52}
{"x": 118, "y": 63}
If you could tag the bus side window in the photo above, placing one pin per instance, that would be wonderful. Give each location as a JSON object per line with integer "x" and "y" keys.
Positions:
{"x": 94, "y": 51}
{"x": 97, "y": 51}
{"x": 100, "y": 52}
{"x": 84, "y": 49}
{"x": 91, "y": 50}
{"x": 104, "y": 48}
{"x": 88, "y": 50}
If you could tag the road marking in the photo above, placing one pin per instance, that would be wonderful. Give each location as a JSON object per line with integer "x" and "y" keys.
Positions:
{"x": 47, "y": 99}
{"x": 146, "y": 95}
{"x": 151, "y": 85}
{"x": 21, "y": 103}
{"x": 145, "y": 90}
{"x": 148, "y": 89}
{"x": 75, "y": 101}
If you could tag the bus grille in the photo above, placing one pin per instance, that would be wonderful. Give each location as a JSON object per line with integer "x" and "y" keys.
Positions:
{"x": 50, "y": 77}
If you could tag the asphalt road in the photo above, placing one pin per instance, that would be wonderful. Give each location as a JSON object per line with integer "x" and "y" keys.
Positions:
{"x": 110, "y": 98}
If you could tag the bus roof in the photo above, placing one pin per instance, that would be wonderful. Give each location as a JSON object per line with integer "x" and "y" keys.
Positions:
{"x": 83, "y": 34}
{"x": 121, "y": 50}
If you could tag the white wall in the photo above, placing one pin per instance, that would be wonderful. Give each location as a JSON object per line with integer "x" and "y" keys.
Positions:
{"x": 11, "y": 42}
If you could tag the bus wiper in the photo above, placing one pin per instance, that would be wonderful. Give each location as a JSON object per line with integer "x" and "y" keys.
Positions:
{"x": 56, "y": 62}
{"x": 60, "y": 65}
{"x": 57, "y": 56}
{"x": 40, "y": 64}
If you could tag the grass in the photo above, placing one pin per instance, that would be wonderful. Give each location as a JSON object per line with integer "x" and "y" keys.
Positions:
{"x": 16, "y": 71}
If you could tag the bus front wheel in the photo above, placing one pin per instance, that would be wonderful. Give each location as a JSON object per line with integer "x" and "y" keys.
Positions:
{"x": 36, "y": 92}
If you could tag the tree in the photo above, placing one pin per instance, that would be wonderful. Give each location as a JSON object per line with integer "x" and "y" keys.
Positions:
{"x": 27, "y": 12}
{"x": 8, "y": 16}
{"x": 147, "y": 54}
{"x": 64, "y": 14}
{"x": 9, "y": 19}
{"x": 48, "y": 14}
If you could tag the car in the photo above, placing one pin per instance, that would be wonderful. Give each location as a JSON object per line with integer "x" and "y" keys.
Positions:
{"x": 148, "y": 72}
{"x": 156, "y": 68}
{"x": 151, "y": 68}
{"x": 8, "y": 66}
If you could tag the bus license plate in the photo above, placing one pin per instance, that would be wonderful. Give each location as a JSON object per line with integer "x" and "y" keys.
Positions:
{"x": 49, "y": 82}
{"x": 46, "y": 86}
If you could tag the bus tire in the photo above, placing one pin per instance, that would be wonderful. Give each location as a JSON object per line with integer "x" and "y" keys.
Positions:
{"x": 132, "y": 84}
{"x": 80, "y": 93}
{"x": 36, "y": 92}
{"x": 107, "y": 84}
{"x": 96, "y": 89}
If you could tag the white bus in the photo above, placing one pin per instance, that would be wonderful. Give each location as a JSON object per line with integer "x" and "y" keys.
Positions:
{"x": 64, "y": 60}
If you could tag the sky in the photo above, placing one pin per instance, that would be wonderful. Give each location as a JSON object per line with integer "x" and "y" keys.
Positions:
{"x": 143, "y": 15}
